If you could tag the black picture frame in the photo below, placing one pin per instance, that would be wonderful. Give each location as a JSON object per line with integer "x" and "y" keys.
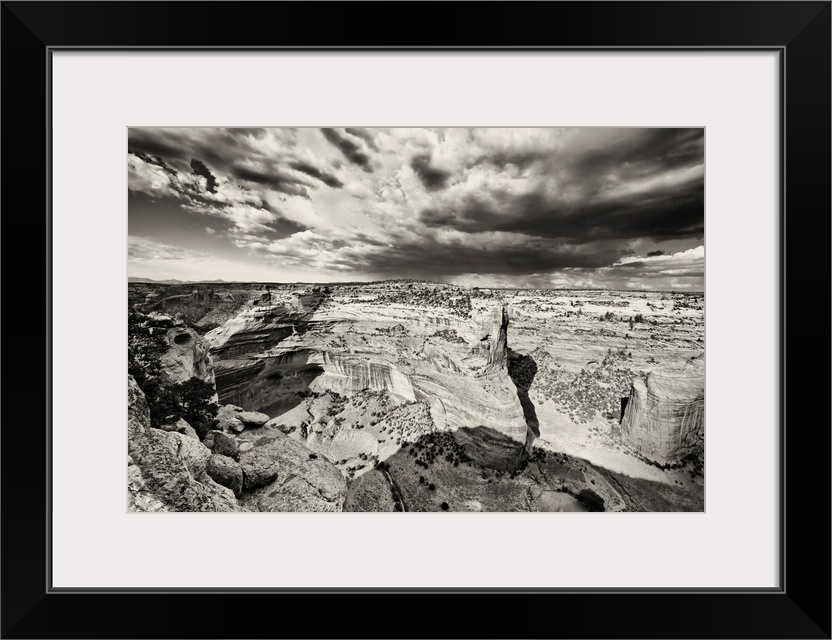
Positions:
{"x": 798, "y": 608}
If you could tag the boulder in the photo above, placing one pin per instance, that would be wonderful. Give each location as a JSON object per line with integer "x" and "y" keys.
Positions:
{"x": 180, "y": 426}
{"x": 227, "y": 472}
{"x": 194, "y": 454}
{"x": 280, "y": 475}
{"x": 252, "y": 418}
{"x": 258, "y": 469}
{"x": 169, "y": 473}
{"x": 226, "y": 445}
{"x": 228, "y": 420}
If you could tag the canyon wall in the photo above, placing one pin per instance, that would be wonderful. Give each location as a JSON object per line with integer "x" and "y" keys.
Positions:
{"x": 268, "y": 356}
{"x": 665, "y": 416}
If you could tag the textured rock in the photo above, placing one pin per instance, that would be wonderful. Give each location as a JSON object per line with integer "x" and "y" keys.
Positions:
{"x": 252, "y": 418}
{"x": 138, "y": 421}
{"x": 665, "y": 415}
{"x": 187, "y": 356}
{"x": 194, "y": 454}
{"x": 228, "y": 418}
{"x": 297, "y": 482}
{"x": 180, "y": 426}
{"x": 226, "y": 472}
{"x": 258, "y": 467}
{"x": 266, "y": 358}
{"x": 170, "y": 467}
{"x": 226, "y": 445}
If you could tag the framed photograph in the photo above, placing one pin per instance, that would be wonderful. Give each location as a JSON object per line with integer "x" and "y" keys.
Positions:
{"x": 495, "y": 308}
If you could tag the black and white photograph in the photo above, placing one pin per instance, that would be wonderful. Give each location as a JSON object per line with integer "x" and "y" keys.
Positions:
{"x": 416, "y": 320}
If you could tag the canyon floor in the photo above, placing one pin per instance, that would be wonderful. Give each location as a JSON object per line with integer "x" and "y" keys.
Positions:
{"x": 426, "y": 397}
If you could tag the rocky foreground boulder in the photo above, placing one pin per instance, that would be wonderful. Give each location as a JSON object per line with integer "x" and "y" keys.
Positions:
{"x": 665, "y": 415}
{"x": 170, "y": 470}
{"x": 283, "y": 475}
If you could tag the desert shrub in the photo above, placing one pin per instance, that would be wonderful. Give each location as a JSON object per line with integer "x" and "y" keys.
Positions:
{"x": 444, "y": 506}
{"x": 432, "y": 487}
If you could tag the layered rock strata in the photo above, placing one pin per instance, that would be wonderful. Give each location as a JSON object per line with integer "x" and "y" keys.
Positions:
{"x": 267, "y": 357}
{"x": 665, "y": 416}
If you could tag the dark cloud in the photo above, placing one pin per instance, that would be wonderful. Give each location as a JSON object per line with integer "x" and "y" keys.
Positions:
{"x": 326, "y": 178}
{"x": 516, "y": 204}
{"x": 155, "y": 142}
{"x": 199, "y": 168}
{"x": 591, "y": 158}
{"x": 432, "y": 178}
{"x": 521, "y": 159}
{"x": 438, "y": 260}
{"x": 221, "y": 148}
{"x": 638, "y": 152}
{"x": 662, "y": 213}
{"x": 256, "y": 132}
{"x": 153, "y": 160}
{"x": 272, "y": 179}
{"x": 365, "y": 135}
{"x": 348, "y": 148}
{"x": 403, "y": 255}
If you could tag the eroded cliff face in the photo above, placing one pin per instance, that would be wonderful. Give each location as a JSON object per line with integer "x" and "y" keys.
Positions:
{"x": 665, "y": 416}
{"x": 187, "y": 356}
{"x": 269, "y": 355}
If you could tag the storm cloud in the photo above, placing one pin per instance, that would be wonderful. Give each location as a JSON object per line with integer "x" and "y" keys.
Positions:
{"x": 607, "y": 207}
{"x": 350, "y": 150}
{"x": 432, "y": 178}
{"x": 198, "y": 167}
{"x": 309, "y": 170}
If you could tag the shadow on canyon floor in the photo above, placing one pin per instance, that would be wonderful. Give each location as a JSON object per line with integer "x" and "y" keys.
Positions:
{"x": 442, "y": 471}
{"x": 481, "y": 469}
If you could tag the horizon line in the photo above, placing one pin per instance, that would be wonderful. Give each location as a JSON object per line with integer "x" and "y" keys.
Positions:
{"x": 173, "y": 282}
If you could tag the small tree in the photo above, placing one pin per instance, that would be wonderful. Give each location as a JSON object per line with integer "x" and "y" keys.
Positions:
{"x": 191, "y": 400}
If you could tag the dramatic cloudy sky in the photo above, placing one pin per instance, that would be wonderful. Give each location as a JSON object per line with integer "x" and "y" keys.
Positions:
{"x": 611, "y": 208}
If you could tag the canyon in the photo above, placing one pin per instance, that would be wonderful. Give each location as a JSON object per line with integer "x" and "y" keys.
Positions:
{"x": 414, "y": 396}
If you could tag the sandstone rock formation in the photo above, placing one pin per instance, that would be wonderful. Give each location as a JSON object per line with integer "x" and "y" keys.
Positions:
{"x": 253, "y": 419}
{"x": 283, "y": 475}
{"x": 187, "y": 356}
{"x": 180, "y": 426}
{"x": 227, "y": 472}
{"x": 269, "y": 356}
{"x": 225, "y": 444}
{"x": 170, "y": 469}
{"x": 173, "y": 471}
{"x": 665, "y": 416}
